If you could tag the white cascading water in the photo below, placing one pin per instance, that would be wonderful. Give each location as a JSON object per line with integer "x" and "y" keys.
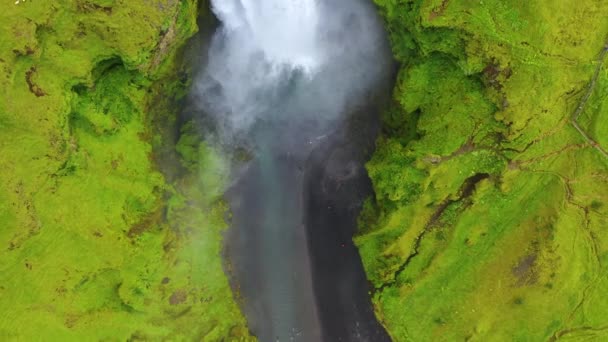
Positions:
{"x": 274, "y": 60}
{"x": 260, "y": 44}
{"x": 284, "y": 31}
{"x": 280, "y": 76}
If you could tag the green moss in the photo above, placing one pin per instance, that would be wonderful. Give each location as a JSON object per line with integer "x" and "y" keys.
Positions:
{"x": 489, "y": 88}
{"x": 96, "y": 243}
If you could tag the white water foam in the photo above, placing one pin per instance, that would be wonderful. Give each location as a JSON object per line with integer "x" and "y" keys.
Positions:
{"x": 258, "y": 47}
{"x": 284, "y": 31}
{"x": 275, "y": 60}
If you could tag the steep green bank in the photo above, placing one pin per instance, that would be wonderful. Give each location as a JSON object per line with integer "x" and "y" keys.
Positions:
{"x": 95, "y": 242}
{"x": 490, "y": 218}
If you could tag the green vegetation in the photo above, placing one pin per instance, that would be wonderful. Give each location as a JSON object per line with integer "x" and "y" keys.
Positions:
{"x": 490, "y": 218}
{"x": 96, "y": 243}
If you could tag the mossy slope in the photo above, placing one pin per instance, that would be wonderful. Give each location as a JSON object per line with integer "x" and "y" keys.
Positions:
{"x": 95, "y": 243}
{"x": 490, "y": 218}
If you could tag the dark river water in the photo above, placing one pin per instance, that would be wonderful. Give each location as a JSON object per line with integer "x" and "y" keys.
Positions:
{"x": 290, "y": 242}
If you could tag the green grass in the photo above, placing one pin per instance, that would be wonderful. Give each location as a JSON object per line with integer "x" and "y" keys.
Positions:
{"x": 489, "y": 87}
{"x": 95, "y": 242}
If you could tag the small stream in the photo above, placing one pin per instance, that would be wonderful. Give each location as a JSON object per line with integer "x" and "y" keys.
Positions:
{"x": 295, "y": 85}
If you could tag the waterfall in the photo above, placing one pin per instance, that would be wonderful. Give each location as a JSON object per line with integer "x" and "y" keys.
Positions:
{"x": 260, "y": 46}
{"x": 299, "y": 63}
{"x": 281, "y": 76}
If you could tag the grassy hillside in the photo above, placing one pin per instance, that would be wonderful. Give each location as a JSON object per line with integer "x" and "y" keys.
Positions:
{"x": 95, "y": 242}
{"x": 491, "y": 215}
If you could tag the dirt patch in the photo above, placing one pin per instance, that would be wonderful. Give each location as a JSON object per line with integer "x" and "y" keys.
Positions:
{"x": 27, "y": 51}
{"x": 525, "y": 270}
{"x": 438, "y": 11}
{"x": 87, "y": 7}
{"x": 34, "y": 88}
{"x": 178, "y": 297}
{"x": 146, "y": 223}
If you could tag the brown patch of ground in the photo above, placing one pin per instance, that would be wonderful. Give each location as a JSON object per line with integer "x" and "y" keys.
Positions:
{"x": 525, "y": 271}
{"x": 178, "y": 297}
{"x": 146, "y": 223}
{"x": 87, "y": 7}
{"x": 34, "y": 88}
{"x": 26, "y": 51}
{"x": 438, "y": 11}
{"x": 25, "y": 203}
{"x": 71, "y": 320}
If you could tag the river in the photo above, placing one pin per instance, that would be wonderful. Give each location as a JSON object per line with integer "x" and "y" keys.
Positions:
{"x": 295, "y": 85}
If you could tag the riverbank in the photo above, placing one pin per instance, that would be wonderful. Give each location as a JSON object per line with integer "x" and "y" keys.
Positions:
{"x": 96, "y": 242}
{"x": 490, "y": 206}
